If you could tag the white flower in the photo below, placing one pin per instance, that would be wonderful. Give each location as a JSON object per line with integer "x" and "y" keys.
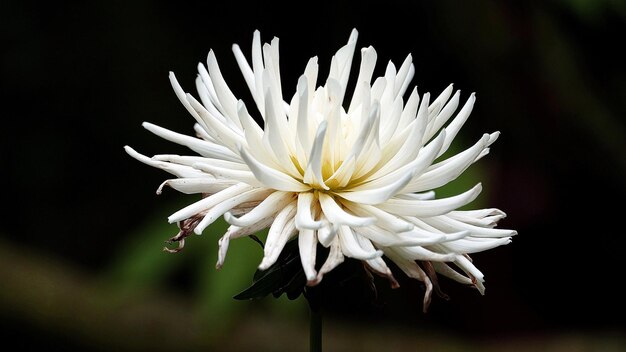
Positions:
{"x": 357, "y": 179}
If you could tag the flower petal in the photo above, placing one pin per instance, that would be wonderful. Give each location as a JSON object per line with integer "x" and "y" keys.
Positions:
{"x": 194, "y": 185}
{"x": 307, "y": 244}
{"x": 446, "y": 223}
{"x": 421, "y": 253}
{"x": 404, "y": 76}
{"x": 335, "y": 257}
{"x": 455, "y": 126}
{"x": 281, "y": 230}
{"x": 351, "y": 248}
{"x": 412, "y": 270}
{"x": 303, "y": 141}
{"x": 270, "y": 177}
{"x": 473, "y": 244}
{"x": 174, "y": 169}
{"x": 191, "y": 160}
{"x": 254, "y": 137}
{"x": 234, "y": 232}
{"x": 227, "y": 173}
{"x": 226, "y": 97}
{"x": 383, "y": 219}
{"x": 425, "y": 208}
{"x": 267, "y": 208}
{"x": 244, "y": 67}
{"x": 202, "y": 147}
{"x": 276, "y": 137}
{"x": 466, "y": 265}
{"x": 208, "y": 202}
{"x": 180, "y": 93}
{"x": 336, "y": 215}
{"x": 445, "y": 270}
{"x": 413, "y": 168}
{"x": 448, "y": 170}
{"x": 313, "y": 174}
{"x": 304, "y": 218}
{"x": 368, "y": 63}
{"x": 482, "y": 218}
{"x": 227, "y": 135}
{"x": 377, "y": 195}
{"x": 327, "y": 233}
{"x": 443, "y": 116}
{"x": 219, "y": 209}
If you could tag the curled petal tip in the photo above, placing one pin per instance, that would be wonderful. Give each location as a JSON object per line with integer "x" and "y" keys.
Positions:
{"x": 265, "y": 264}
{"x": 315, "y": 281}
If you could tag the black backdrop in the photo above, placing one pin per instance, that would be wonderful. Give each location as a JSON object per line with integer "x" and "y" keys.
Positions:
{"x": 79, "y": 78}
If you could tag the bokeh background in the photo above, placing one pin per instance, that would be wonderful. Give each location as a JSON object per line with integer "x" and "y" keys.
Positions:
{"x": 80, "y": 244}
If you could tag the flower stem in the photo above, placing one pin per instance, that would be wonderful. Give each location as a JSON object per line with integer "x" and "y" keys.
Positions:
{"x": 315, "y": 331}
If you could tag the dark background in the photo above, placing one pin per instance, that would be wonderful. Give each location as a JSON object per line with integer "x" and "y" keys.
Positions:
{"x": 80, "y": 260}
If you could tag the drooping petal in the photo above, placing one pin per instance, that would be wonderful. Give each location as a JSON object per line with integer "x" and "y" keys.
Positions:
{"x": 351, "y": 247}
{"x": 281, "y": 230}
{"x": 327, "y": 233}
{"x": 412, "y": 270}
{"x": 304, "y": 216}
{"x": 307, "y": 243}
{"x": 445, "y": 270}
{"x": 477, "y": 276}
{"x": 335, "y": 257}
{"x": 377, "y": 264}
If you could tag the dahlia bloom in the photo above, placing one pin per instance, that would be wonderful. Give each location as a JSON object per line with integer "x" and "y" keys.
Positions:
{"x": 356, "y": 178}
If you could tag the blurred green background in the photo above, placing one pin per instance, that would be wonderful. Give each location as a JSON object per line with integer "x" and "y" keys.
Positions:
{"x": 80, "y": 245}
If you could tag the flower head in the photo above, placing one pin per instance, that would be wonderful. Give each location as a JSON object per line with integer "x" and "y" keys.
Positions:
{"x": 355, "y": 178}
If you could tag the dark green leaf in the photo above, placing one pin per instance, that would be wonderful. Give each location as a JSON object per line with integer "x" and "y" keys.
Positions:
{"x": 284, "y": 276}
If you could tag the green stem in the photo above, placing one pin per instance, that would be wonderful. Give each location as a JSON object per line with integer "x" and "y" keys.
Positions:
{"x": 315, "y": 331}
